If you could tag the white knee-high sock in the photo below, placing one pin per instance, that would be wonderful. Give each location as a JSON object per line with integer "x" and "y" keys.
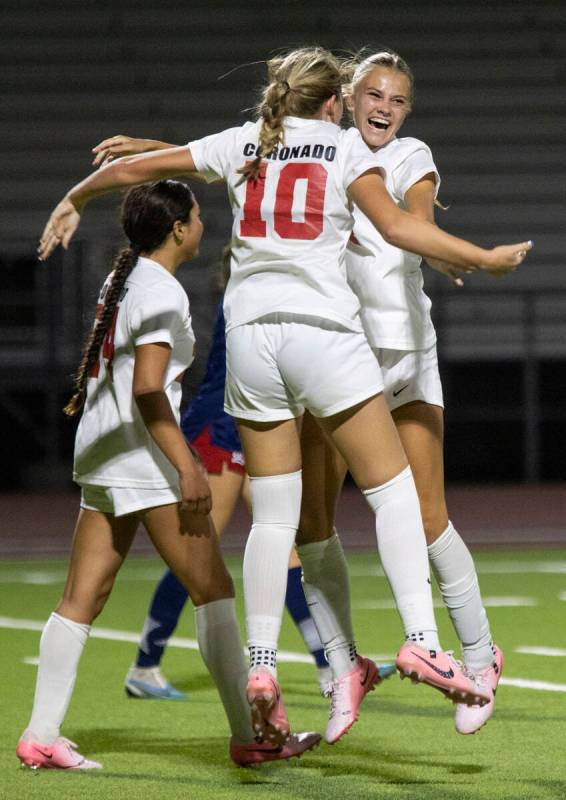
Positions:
{"x": 402, "y": 548}
{"x": 455, "y": 573}
{"x": 327, "y": 589}
{"x": 276, "y": 507}
{"x": 60, "y": 649}
{"x": 223, "y": 653}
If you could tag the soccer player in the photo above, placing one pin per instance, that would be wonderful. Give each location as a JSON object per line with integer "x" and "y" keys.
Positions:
{"x": 395, "y": 314}
{"x": 133, "y": 465}
{"x": 295, "y": 342}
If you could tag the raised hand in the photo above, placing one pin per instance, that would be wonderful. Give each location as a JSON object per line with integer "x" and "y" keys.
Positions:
{"x": 60, "y": 228}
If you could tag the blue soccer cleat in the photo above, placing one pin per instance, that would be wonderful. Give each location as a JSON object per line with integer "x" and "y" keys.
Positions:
{"x": 149, "y": 683}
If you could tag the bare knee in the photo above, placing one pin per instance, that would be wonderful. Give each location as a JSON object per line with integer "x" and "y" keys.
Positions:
{"x": 435, "y": 520}
{"x": 216, "y": 586}
{"x": 83, "y": 607}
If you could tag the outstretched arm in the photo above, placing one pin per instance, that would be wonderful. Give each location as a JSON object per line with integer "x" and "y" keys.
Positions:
{"x": 128, "y": 171}
{"x": 408, "y": 232}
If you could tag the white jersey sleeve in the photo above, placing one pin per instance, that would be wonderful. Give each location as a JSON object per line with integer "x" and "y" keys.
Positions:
{"x": 412, "y": 169}
{"x": 158, "y": 316}
{"x": 357, "y": 158}
{"x": 212, "y": 154}
{"x": 388, "y": 281}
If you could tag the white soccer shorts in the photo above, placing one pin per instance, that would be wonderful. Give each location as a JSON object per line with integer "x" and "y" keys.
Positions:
{"x": 410, "y": 375}
{"x": 120, "y": 500}
{"x": 280, "y": 366}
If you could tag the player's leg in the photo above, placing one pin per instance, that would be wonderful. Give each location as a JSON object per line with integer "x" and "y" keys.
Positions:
{"x": 273, "y": 460}
{"x": 190, "y": 547}
{"x": 420, "y": 427}
{"x": 296, "y": 604}
{"x": 367, "y": 439}
{"x": 101, "y": 542}
{"x": 145, "y": 679}
{"x": 325, "y": 572}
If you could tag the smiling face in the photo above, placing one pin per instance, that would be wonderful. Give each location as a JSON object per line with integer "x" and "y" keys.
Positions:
{"x": 380, "y": 104}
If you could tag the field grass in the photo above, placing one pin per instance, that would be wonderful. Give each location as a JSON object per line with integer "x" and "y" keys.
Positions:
{"x": 404, "y": 746}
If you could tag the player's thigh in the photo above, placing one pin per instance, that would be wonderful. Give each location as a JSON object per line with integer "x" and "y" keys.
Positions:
{"x": 226, "y": 487}
{"x": 188, "y": 544}
{"x": 421, "y": 429}
{"x": 100, "y": 544}
{"x": 271, "y": 448}
{"x": 367, "y": 439}
{"x": 324, "y": 470}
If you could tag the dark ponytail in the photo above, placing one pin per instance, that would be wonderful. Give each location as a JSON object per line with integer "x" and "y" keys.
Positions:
{"x": 148, "y": 215}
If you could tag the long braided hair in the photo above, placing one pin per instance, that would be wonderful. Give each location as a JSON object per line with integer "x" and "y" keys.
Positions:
{"x": 148, "y": 214}
{"x": 299, "y": 83}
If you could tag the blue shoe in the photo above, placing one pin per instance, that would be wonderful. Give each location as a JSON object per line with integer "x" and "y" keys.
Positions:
{"x": 146, "y": 683}
{"x": 386, "y": 670}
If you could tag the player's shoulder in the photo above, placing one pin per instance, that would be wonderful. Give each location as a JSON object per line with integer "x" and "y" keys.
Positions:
{"x": 401, "y": 149}
{"x": 352, "y": 137}
{"x": 155, "y": 281}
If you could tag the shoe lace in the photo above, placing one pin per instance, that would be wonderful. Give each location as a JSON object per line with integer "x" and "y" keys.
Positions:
{"x": 460, "y": 664}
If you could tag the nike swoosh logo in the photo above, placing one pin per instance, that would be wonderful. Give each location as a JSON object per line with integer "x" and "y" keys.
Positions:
{"x": 43, "y": 753}
{"x": 275, "y": 750}
{"x": 402, "y": 389}
{"x": 364, "y": 679}
{"x": 445, "y": 674}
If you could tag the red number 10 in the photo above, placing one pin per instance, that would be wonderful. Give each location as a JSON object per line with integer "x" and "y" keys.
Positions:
{"x": 316, "y": 176}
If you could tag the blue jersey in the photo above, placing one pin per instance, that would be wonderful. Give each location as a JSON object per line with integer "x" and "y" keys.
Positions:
{"x": 207, "y": 408}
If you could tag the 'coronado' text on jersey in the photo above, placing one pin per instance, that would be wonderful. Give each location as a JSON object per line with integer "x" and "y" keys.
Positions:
{"x": 320, "y": 151}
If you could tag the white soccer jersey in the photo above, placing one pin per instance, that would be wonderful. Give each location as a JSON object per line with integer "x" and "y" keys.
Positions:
{"x": 113, "y": 446}
{"x": 291, "y": 226}
{"x": 388, "y": 281}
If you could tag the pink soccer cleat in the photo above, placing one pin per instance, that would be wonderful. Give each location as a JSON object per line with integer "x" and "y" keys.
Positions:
{"x": 247, "y": 755}
{"x": 59, "y": 755}
{"x": 469, "y": 719}
{"x": 347, "y": 695}
{"x": 440, "y": 670}
{"x": 269, "y": 718}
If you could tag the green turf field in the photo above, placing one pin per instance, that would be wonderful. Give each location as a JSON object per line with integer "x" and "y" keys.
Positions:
{"x": 404, "y": 746}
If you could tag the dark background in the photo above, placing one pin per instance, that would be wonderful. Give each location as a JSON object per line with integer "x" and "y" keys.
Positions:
{"x": 491, "y": 82}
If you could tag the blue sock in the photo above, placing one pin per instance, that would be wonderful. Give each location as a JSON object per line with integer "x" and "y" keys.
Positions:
{"x": 297, "y": 607}
{"x": 164, "y": 612}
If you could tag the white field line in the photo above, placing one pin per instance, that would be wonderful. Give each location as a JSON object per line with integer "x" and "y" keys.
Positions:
{"x": 489, "y": 602}
{"x": 484, "y": 567}
{"x": 552, "y": 652}
{"x": 562, "y": 596}
{"x": 110, "y": 634}
{"x": 540, "y": 686}
{"x": 283, "y": 656}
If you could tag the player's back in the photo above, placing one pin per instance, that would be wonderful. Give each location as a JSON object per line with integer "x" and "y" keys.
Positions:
{"x": 292, "y": 224}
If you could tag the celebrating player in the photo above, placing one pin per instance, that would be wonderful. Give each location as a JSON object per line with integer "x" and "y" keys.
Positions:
{"x": 133, "y": 465}
{"x": 295, "y": 342}
{"x": 396, "y": 317}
